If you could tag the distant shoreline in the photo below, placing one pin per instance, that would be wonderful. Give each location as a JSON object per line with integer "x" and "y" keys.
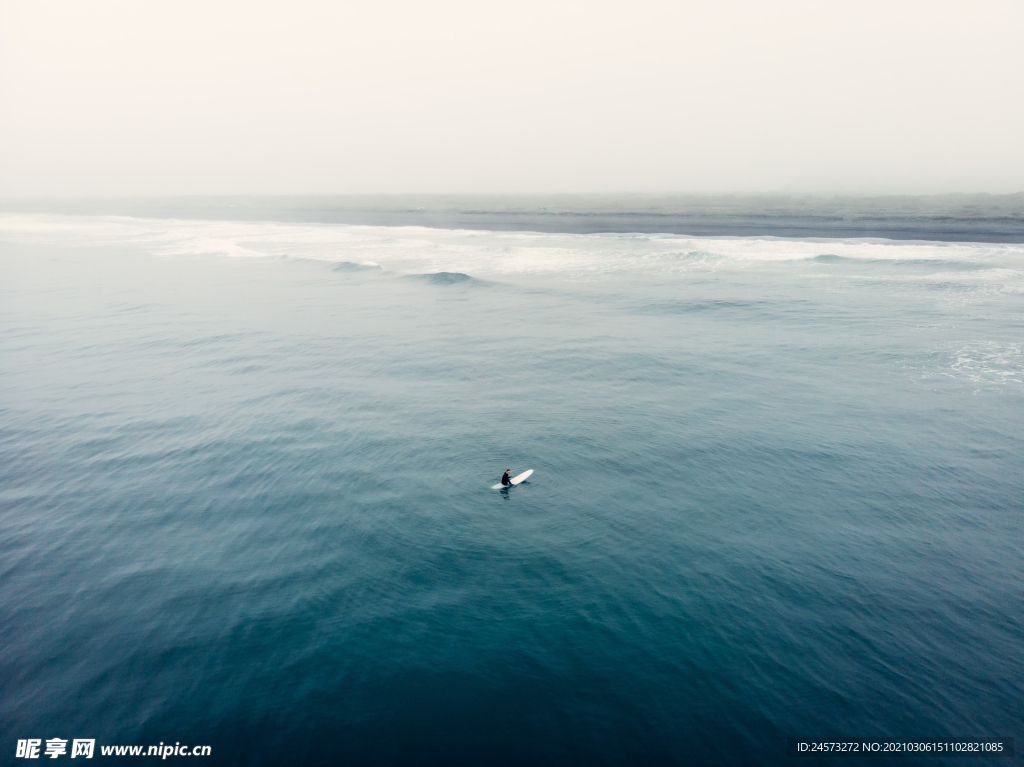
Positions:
{"x": 943, "y": 218}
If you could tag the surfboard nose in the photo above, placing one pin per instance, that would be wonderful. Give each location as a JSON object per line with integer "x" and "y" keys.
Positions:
{"x": 519, "y": 478}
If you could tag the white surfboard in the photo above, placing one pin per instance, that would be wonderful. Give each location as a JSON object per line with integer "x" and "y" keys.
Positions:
{"x": 515, "y": 480}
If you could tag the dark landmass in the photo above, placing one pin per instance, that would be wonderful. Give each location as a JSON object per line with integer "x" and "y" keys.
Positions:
{"x": 951, "y": 218}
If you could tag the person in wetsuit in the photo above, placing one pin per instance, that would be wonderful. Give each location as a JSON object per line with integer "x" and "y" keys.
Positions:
{"x": 504, "y": 477}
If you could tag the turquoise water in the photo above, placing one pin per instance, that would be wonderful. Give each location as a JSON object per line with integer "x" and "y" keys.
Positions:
{"x": 246, "y": 471}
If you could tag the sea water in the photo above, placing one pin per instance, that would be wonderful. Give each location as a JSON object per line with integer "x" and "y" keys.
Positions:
{"x": 246, "y": 495}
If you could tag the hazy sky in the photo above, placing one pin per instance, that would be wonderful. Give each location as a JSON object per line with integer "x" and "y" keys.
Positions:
{"x": 210, "y": 97}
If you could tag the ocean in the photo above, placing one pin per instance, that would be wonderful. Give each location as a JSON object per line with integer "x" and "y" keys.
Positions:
{"x": 246, "y": 499}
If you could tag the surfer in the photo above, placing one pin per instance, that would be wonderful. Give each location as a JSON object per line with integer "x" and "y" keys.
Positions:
{"x": 505, "y": 477}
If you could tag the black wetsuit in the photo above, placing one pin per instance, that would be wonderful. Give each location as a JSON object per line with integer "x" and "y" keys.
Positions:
{"x": 504, "y": 479}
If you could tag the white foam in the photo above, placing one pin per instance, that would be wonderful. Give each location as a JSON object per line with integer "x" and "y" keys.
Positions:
{"x": 989, "y": 362}
{"x": 413, "y": 249}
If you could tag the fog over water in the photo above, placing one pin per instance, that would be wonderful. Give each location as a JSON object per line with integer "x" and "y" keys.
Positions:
{"x": 115, "y": 97}
{"x": 952, "y": 218}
